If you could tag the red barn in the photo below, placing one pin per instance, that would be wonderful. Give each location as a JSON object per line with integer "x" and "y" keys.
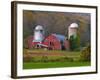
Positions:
{"x": 51, "y": 42}
{"x": 56, "y": 42}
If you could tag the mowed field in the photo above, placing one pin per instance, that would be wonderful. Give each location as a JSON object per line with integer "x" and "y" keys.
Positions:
{"x": 52, "y": 59}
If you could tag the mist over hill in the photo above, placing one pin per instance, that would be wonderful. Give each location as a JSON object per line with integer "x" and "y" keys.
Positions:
{"x": 56, "y": 22}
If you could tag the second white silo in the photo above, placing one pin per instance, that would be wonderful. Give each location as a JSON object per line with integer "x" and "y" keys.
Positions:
{"x": 72, "y": 30}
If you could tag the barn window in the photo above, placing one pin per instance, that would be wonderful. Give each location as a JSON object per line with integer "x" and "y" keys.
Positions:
{"x": 51, "y": 44}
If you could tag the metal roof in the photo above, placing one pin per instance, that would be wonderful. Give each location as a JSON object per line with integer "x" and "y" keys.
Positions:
{"x": 60, "y": 37}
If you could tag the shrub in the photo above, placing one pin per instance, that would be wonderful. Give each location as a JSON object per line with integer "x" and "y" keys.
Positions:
{"x": 44, "y": 59}
{"x": 68, "y": 59}
{"x": 28, "y": 59}
{"x": 86, "y": 54}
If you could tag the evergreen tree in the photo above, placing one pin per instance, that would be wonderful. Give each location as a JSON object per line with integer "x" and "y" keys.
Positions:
{"x": 74, "y": 42}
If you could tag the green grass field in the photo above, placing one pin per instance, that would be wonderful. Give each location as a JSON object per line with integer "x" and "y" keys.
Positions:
{"x": 38, "y": 65}
{"x": 35, "y": 59}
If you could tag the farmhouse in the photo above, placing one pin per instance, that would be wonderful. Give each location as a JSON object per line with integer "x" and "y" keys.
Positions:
{"x": 53, "y": 41}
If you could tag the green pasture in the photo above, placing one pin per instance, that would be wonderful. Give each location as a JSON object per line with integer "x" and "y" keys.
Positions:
{"x": 67, "y": 59}
{"x": 31, "y": 65}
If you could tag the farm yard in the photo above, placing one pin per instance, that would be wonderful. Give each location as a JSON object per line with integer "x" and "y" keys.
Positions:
{"x": 56, "y": 39}
{"x": 40, "y": 58}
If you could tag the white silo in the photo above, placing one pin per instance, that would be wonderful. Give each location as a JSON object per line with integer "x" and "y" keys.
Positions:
{"x": 72, "y": 30}
{"x": 38, "y": 34}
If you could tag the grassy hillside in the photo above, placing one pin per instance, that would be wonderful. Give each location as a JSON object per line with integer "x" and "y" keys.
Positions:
{"x": 50, "y": 59}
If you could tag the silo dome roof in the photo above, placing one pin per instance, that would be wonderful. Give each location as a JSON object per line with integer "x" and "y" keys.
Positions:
{"x": 74, "y": 25}
{"x": 38, "y": 27}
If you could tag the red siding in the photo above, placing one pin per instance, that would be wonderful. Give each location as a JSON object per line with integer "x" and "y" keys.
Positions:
{"x": 29, "y": 41}
{"x": 52, "y": 42}
{"x": 67, "y": 44}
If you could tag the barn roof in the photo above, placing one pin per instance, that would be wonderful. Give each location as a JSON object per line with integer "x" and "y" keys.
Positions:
{"x": 59, "y": 36}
